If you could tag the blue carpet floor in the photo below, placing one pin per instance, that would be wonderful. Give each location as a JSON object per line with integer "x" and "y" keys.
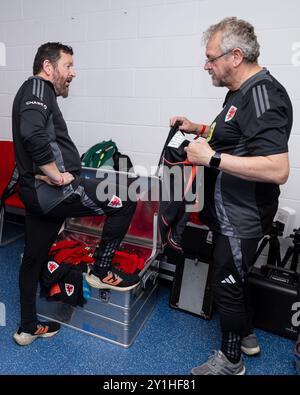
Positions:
{"x": 171, "y": 342}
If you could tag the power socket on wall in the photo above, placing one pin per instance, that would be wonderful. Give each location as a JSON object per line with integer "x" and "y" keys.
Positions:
{"x": 286, "y": 216}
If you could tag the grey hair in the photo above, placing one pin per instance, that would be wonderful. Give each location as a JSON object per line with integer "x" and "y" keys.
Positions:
{"x": 236, "y": 33}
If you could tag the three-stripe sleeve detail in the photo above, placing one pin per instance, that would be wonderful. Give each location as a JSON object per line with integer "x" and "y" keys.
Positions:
{"x": 38, "y": 88}
{"x": 261, "y": 99}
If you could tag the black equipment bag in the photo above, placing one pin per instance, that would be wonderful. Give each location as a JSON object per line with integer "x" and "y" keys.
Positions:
{"x": 197, "y": 241}
{"x": 273, "y": 294}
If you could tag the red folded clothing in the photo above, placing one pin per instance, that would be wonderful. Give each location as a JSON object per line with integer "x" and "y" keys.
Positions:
{"x": 128, "y": 262}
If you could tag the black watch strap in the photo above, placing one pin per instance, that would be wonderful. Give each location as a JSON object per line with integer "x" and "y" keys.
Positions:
{"x": 215, "y": 160}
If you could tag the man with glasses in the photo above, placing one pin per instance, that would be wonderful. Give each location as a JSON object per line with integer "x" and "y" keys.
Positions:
{"x": 245, "y": 156}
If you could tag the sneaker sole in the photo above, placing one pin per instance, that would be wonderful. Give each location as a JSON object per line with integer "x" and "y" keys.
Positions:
{"x": 25, "y": 340}
{"x": 94, "y": 282}
{"x": 241, "y": 373}
{"x": 250, "y": 351}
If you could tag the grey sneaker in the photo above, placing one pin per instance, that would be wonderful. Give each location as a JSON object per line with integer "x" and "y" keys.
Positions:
{"x": 250, "y": 345}
{"x": 218, "y": 364}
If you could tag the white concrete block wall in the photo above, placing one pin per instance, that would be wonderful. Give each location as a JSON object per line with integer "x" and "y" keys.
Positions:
{"x": 140, "y": 61}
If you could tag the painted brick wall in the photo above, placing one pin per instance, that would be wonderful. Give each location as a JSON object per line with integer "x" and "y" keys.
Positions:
{"x": 139, "y": 62}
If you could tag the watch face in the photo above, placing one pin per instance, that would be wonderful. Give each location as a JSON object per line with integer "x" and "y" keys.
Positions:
{"x": 215, "y": 160}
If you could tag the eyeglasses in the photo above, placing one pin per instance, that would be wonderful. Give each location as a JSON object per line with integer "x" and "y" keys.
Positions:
{"x": 212, "y": 60}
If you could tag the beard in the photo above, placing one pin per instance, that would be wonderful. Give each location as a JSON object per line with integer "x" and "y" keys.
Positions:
{"x": 221, "y": 80}
{"x": 61, "y": 84}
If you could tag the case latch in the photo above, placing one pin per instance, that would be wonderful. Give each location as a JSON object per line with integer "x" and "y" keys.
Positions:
{"x": 149, "y": 278}
{"x": 104, "y": 295}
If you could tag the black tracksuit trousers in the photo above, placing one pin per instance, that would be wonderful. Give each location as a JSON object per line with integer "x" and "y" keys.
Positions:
{"x": 232, "y": 258}
{"x": 41, "y": 232}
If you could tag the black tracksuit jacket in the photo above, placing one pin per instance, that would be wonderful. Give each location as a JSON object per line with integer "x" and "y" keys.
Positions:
{"x": 40, "y": 137}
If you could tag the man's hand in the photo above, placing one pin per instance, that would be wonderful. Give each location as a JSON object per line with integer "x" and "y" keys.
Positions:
{"x": 65, "y": 179}
{"x": 199, "y": 152}
{"x": 185, "y": 125}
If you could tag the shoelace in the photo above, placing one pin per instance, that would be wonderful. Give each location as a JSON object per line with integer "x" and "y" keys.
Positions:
{"x": 114, "y": 276}
{"x": 212, "y": 359}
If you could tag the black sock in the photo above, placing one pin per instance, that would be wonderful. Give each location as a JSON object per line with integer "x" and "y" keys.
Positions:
{"x": 104, "y": 254}
{"x": 231, "y": 346}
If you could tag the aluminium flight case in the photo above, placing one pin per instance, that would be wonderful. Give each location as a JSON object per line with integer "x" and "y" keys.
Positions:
{"x": 113, "y": 315}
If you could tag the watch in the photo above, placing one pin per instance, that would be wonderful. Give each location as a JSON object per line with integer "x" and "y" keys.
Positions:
{"x": 215, "y": 160}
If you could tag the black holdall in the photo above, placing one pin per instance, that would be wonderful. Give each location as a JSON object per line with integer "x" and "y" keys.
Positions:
{"x": 274, "y": 291}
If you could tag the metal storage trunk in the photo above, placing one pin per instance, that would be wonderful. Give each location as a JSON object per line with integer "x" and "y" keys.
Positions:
{"x": 112, "y": 315}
